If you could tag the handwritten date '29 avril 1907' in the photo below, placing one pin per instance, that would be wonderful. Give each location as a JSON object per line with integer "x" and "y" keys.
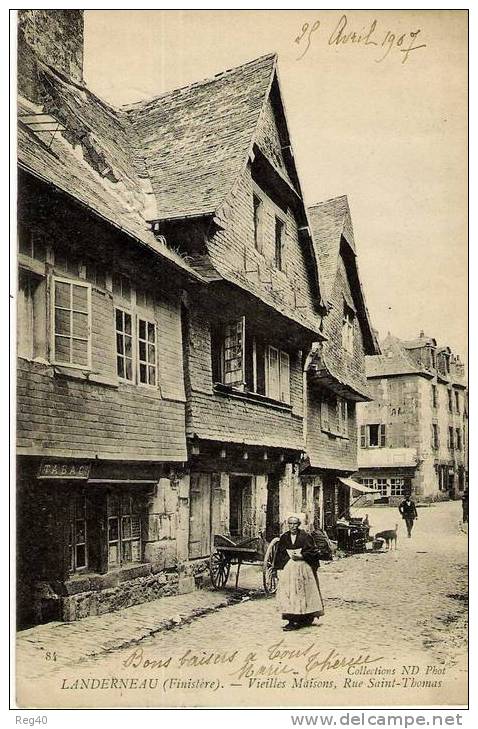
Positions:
{"x": 369, "y": 35}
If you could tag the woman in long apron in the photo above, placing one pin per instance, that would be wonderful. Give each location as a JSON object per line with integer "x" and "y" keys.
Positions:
{"x": 298, "y": 592}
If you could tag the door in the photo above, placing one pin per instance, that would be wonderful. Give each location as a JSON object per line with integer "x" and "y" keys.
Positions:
{"x": 317, "y": 509}
{"x": 329, "y": 508}
{"x": 200, "y": 515}
{"x": 240, "y": 506}
{"x": 272, "y": 508}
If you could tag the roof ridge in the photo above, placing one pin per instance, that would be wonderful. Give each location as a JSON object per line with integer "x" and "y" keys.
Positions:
{"x": 329, "y": 200}
{"x": 143, "y": 103}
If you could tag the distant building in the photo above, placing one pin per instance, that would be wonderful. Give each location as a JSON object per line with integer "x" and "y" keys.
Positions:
{"x": 412, "y": 437}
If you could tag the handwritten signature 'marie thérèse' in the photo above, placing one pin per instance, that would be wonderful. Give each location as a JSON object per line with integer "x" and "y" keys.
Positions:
{"x": 369, "y": 35}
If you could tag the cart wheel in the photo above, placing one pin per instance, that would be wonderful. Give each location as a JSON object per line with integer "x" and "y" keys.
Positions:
{"x": 269, "y": 576}
{"x": 219, "y": 566}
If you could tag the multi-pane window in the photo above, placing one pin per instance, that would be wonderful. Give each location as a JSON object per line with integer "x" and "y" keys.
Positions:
{"x": 245, "y": 361}
{"x": 258, "y": 225}
{"x": 67, "y": 261}
{"x": 279, "y": 243}
{"x": 124, "y": 530}
{"x": 458, "y": 439}
{"x": 434, "y": 396}
{"x": 382, "y": 486}
{"x": 124, "y": 344}
{"x": 451, "y": 438}
{"x": 71, "y": 308}
{"x": 139, "y": 334}
{"x": 77, "y": 533}
{"x": 435, "y": 437}
{"x": 397, "y": 487}
{"x": 368, "y": 482}
{"x": 450, "y": 401}
{"x": 95, "y": 273}
{"x": 342, "y": 417}
{"x": 122, "y": 286}
{"x": 31, "y": 244}
{"x": 373, "y": 435}
{"x": 147, "y": 352}
{"x": 348, "y": 329}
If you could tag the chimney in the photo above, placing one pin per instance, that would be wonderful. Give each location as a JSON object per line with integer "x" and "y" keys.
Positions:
{"x": 54, "y": 37}
{"x": 422, "y": 334}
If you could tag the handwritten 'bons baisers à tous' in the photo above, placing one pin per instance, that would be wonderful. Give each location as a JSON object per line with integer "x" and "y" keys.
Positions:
{"x": 369, "y": 35}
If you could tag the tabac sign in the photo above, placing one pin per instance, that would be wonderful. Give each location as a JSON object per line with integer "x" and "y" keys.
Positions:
{"x": 68, "y": 471}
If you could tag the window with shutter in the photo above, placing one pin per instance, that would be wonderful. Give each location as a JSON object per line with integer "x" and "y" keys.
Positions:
{"x": 382, "y": 436}
{"x": 273, "y": 376}
{"x": 324, "y": 414}
{"x": 234, "y": 353}
{"x": 71, "y": 325}
{"x": 363, "y": 437}
{"x": 284, "y": 377}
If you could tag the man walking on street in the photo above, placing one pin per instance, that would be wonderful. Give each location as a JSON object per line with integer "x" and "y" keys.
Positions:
{"x": 408, "y": 510}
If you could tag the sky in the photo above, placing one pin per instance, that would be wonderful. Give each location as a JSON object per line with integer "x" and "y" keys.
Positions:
{"x": 376, "y": 103}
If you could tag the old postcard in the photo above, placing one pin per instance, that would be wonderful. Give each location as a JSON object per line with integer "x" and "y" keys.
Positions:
{"x": 242, "y": 399}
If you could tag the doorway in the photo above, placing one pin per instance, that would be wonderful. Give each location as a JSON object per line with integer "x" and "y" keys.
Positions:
{"x": 240, "y": 506}
{"x": 272, "y": 509}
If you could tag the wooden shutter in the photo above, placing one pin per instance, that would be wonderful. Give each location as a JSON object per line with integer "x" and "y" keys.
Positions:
{"x": 324, "y": 414}
{"x": 382, "y": 435}
{"x": 273, "y": 380}
{"x": 234, "y": 352}
{"x": 199, "y": 515}
{"x": 345, "y": 421}
{"x": 284, "y": 377}
{"x": 363, "y": 437}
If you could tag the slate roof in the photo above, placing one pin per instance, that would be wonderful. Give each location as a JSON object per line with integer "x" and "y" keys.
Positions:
{"x": 327, "y": 221}
{"x": 395, "y": 360}
{"x": 119, "y": 199}
{"x": 195, "y": 140}
{"x": 330, "y": 223}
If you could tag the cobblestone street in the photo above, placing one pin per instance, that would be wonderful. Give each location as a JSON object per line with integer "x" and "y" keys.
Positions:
{"x": 402, "y": 608}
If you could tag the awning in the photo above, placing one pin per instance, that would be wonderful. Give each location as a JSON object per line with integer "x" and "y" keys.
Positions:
{"x": 358, "y": 486}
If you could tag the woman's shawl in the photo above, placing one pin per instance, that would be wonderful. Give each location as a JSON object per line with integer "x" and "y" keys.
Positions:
{"x": 303, "y": 541}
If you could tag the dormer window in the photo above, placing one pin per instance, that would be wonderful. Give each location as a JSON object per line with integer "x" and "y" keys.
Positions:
{"x": 279, "y": 243}
{"x": 258, "y": 222}
{"x": 348, "y": 329}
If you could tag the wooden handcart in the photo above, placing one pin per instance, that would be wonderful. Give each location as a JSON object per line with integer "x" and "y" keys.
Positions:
{"x": 248, "y": 550}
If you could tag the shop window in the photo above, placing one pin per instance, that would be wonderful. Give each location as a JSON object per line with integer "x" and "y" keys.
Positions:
{"x": 124, "y": 529}
{"x": 77, "y": 540}
{"x": 397, "y": 487}
{"x": 71, "y": 340}
{"x": 382, "y": 486}
{"x": 368, "y": 482}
